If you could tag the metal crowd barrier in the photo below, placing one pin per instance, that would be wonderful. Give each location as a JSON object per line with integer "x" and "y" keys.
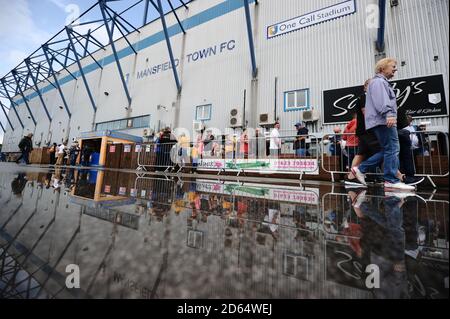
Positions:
{"x": 425, "y": 219}
{"x": 429, "y": 150}
{"x": 224, "y": 155}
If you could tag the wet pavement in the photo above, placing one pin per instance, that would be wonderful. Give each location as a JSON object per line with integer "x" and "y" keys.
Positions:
{"x": 147, "y": 236}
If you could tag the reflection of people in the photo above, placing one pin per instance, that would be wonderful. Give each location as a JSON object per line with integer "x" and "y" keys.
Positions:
{"x": 272, "y": 219}
{"x": 383, "y": 238}
{"x": 18, "y": 184}
{"x": 86, "y": 155}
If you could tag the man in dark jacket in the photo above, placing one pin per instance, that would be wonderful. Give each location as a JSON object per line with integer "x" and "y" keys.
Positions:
{"x": 25, "y": 146}
{"x": 165, "y": 144}
{"x": 406, "y": 153}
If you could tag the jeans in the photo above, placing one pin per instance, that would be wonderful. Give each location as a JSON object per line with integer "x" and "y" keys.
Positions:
{"x": 24, "y": 157}
{"x": 300, "y": 152}
{"x": 389, "y": 224}
{"x": 73, "y": 159}
{"x": 275, "y": 152}
{"x": 406, "y": 154}
{"x": 390, "y": 149}
{"x": 348, "y": 159}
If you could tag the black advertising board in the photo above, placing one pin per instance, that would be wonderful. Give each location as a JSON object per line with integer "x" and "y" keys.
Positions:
{"x": 421, "y": 97}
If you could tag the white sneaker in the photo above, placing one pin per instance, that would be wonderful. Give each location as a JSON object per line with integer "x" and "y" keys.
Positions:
{"x": 360, "y": 198}
{"x": 399, "y": 186}
{"x": 359, "y": 176}
{"x": 401, "y": 195}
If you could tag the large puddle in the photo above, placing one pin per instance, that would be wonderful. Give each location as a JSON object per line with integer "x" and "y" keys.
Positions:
{"x": 151, "y": 237}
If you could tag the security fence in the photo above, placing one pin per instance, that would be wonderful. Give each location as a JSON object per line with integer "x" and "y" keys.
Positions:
{"x": 269, "y": 155}
{"x": 428, "y": 152}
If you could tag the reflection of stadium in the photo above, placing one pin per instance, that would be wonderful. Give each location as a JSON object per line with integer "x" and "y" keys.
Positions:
{"x": 272, "y": 248}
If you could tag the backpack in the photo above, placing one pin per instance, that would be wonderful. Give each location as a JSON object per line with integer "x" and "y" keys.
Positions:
{"x": 22, "y": 144}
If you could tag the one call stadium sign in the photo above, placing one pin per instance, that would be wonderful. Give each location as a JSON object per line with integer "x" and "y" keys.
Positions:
{"x": 326, "y": 14}
{"x": 419, "y": 97}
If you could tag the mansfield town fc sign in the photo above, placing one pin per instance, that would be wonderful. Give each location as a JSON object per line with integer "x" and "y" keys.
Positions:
{"x": 419, "y": 97}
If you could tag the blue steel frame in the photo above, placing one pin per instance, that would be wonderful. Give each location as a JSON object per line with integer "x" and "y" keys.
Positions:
{"x": 169, "y": 45}
{"x": 6, "y": 114}
{"x": 44, "y": 48}
{"x": 36, "y": 89}
{"x": 381, "y": 28}
{"x": 14, "y": 73}
{"x": 3, "y": 129}
{"x": 250, "y": 37}
{"x": 103, "y": 9}
{"x": 80, "y": 68}
{"x": 12, "y": 102}
{"x": 111, "y": 21}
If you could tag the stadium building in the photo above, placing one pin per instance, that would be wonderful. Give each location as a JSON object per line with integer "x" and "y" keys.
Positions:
{"x": 227, "y": 64}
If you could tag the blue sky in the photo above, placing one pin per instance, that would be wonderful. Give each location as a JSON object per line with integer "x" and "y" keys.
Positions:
{"x": 26, "y": 24}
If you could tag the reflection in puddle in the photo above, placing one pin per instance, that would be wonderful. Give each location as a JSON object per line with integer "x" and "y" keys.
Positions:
{"x": 152, "y": 237}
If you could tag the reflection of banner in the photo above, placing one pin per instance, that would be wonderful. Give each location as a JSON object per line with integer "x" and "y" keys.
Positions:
{"x": 305, "y": 197}
{"x": 343, "y": 266}
{"x": 270, "y": 192}
{"x": 269, "y": 166}
{"x": 424, "y": 96}
{"x": 211, "y": 163}
{"x": 209, "y": 187}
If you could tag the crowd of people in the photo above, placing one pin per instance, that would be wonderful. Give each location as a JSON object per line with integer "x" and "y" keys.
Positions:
{"x": 245, "y": 145}
{"x": 59, "y": 154}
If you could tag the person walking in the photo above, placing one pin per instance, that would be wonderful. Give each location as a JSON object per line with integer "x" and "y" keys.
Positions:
{"x": 52, "y": 152}
{"x": 25, "y": 146}
{"x": 381, "y": 119}
{"x": 351, "y": 142}
{"x": 275, "y": 141}
{"x": 406, "y": 150}
{"x": 300, "y": 141}
{"x": 73, "y": 153}
{"x": 243, "y": 144}
{"x": 61, "y": 152}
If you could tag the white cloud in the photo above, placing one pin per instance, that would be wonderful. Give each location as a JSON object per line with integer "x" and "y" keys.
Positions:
{"x": 59, "y": 3}
{"x": 100, "y": 34}
{"x": 15, "y": 57}
{"x": 19, "y": 34}
{"x": 17, "y": 23}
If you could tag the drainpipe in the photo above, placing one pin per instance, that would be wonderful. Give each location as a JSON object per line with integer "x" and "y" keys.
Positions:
{"x": 381, "y": 28}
